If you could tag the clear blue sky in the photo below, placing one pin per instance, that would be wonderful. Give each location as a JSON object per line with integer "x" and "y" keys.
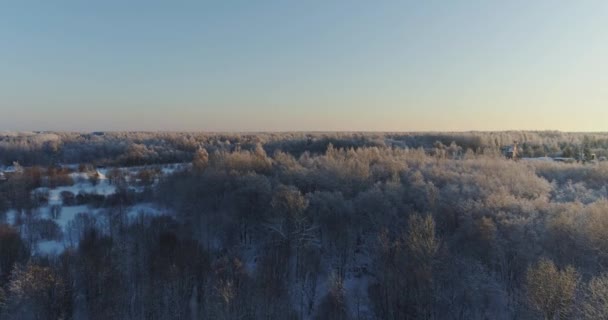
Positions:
{"x": 303, "y": 65}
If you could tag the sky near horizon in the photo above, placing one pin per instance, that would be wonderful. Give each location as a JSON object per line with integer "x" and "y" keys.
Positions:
{"x": 314, "y": 65}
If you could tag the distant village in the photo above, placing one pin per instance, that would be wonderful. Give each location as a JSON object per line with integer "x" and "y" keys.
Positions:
{"x": 6, "y": 172}
{"x": 513, "y": 152}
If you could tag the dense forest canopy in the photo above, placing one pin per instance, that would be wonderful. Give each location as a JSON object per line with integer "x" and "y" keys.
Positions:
{"x": 303, "y": 226}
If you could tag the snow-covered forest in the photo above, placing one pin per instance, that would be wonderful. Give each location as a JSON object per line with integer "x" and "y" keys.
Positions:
{"x": 303, "y": 226}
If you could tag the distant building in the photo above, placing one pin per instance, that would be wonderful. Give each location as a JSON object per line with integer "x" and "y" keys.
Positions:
{"x": 511, "y": 152}
{"x": 2, "y": 176}
{"x": 18, "y": 167}
{"x": 15, "y": 168}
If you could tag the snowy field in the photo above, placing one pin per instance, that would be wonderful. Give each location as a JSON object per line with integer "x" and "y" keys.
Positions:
{"x": 67, "y": 217}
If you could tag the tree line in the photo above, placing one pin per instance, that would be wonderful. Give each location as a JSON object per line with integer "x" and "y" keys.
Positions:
{"x": 266, "y": 229}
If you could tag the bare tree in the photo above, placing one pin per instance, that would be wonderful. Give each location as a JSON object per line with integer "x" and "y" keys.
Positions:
{"x": 551, "y": 291}
{"x": 595, "y": 305}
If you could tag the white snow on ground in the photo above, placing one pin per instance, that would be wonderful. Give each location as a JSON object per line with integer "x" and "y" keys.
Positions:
{"x": 145, "y": 209}
{"x": 79, "y": 176}
{"x": 49, "y": 247}
{"x": 174, "y": 167}
{"x": 11, "y": 217}
{"x": 82, "y": 183}
{"x": 357, "y": 298}
{"x": 67, "y": 214}
{"x": 102, "y": 188}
